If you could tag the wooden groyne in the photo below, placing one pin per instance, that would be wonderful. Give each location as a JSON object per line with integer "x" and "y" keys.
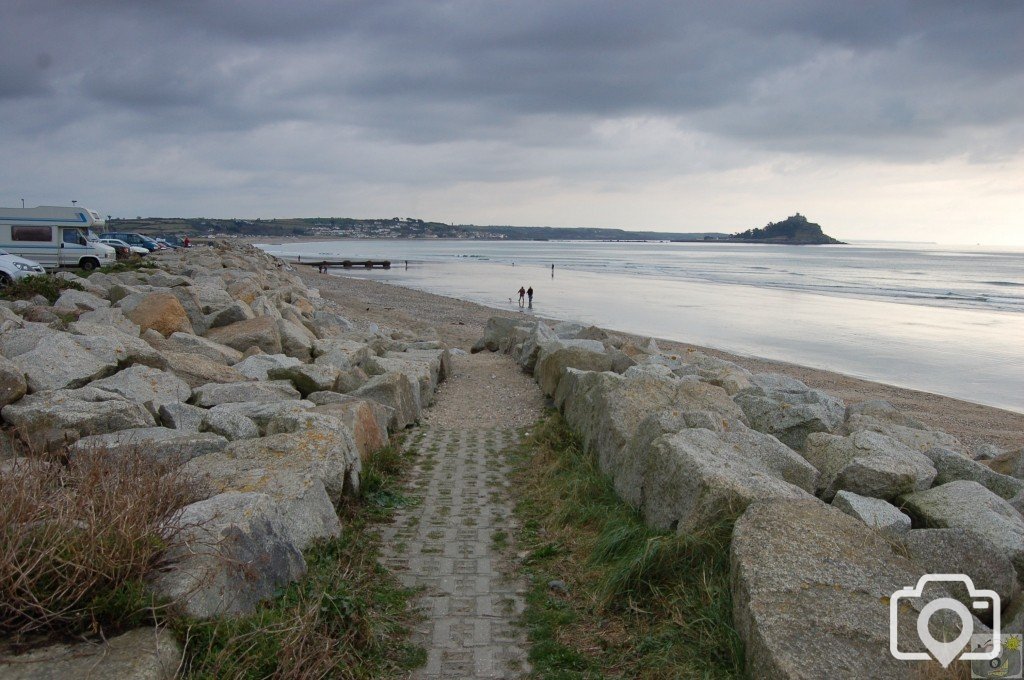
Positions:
{"x": 347, "y": 264}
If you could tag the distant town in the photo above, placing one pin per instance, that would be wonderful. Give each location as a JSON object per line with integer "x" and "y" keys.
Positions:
{"x": 383, "y": 228}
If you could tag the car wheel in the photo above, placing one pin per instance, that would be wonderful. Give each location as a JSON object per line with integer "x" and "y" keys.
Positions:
{"x": 88, "y": 264}
{"x": 5, "y": 279}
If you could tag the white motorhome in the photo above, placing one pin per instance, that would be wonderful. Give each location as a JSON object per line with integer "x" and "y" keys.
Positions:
{"x": 55, "y": 236}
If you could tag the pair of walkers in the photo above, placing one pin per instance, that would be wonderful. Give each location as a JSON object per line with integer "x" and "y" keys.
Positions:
{"x": 526, "y": 293}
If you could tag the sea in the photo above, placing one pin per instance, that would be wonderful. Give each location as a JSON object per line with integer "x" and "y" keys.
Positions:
{"x": 940, "y": 319}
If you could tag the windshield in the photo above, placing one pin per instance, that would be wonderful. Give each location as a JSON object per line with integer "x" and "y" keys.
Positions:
{"x": 91, "y": 235}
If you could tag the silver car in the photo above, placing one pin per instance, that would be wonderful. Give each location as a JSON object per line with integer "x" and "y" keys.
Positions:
{"x": 13, "y": 268}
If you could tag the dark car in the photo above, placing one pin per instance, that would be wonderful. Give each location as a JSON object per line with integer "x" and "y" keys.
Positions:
{"x": 134, "y": 239}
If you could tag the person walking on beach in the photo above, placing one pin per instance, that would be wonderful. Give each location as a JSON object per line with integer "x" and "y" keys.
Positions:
{"x": 522, "y": 294}
{"x": 529, "y": 294}
{"x": 552, "y": 271}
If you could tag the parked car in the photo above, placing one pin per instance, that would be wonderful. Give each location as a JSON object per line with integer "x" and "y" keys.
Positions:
{"x": 13, "y": 268}
{"x": 119, "y": 244}
{"x": 165, "y": 243}
{"x": 134, "y": 239}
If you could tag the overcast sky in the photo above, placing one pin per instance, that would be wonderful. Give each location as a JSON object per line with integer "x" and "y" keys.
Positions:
{"x": 888, "y": 119}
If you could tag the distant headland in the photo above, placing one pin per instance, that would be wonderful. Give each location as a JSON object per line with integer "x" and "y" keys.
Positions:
{"x": 795, "y": 230}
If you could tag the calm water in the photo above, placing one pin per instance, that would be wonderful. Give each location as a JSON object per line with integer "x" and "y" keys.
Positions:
{"x": 924, "y": 317}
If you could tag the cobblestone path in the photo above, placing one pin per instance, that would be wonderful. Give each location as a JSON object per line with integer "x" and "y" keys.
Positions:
{"x": 449, "y": 541}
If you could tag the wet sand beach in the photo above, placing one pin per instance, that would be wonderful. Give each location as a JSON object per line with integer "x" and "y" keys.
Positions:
{"x": 461, "y": 323}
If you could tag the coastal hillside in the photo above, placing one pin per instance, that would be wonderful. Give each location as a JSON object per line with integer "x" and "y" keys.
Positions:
{"x": 389, "y": 227}
{"x": 795, "y": 230}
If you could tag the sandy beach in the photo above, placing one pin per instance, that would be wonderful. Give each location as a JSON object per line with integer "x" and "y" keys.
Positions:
{"x": 460, "y": 323}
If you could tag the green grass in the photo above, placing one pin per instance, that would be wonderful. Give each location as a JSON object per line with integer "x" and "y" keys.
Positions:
{"x": 640, "y": 603}
{"x": 50, "y": 287}
{"x": 347, "y": 618}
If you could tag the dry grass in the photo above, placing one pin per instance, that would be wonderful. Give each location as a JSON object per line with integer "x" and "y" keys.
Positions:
{"x": 77, "y": 537}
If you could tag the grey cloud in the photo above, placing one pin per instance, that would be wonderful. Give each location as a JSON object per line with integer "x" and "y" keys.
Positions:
{"x": 424, "y": 93}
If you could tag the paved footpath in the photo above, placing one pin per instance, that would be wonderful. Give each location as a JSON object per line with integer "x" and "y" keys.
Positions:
{"x": 447, "y": 541}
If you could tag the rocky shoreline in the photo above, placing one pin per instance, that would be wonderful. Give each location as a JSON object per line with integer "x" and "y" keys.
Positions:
{"x": 836, "y": 507}
{"x": 220, "y": 363}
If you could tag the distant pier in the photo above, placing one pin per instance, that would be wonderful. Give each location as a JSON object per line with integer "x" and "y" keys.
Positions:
{"x": 346, "y": 264}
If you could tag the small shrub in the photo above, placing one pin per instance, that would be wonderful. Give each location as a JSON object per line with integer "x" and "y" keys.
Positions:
{"x": 50, "y": 287}
{"x": 77, "y": 537}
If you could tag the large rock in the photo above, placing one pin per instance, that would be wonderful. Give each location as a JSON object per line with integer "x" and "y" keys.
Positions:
{"x": 960, "y": 551}
{"x": 105, "y": 316}
{"x": 788, "y": 409}
{"x": 17, "y": 340}
{"x": 261, "y": 332}
{"x": 326, "y": 324}
{"x": 725, "y": 374}
{"x": 307, "y": 378}
{"x": 419, "y": 373}
{"x": 952, "y": 465}
{"x": 161, "y": 444}
{"x": 225, "y": 393}
{"x": 12, "y": 382}
{"x": 181, "y": 417}
{"x": 232, "y": 312}
{"x": 301, "y": 499}
{"x": 968, "y": 505}
{"x": 110, "y": 343}
{"x": 59, "y": 361}
{"x": 233, "y": 552}
{"x": 48, "y": 418}
{"x": 868, "y": 464}
{"x": 811, "y": 589}
{"x": 148, "y": 386}
{"x": 323, "y": 449}
{"x": 140, "y": 654}
{"x": 367, "y": 420}
{"x": 296, "y": 340}
{"x": 497, "y": 330}
{"x": 197, "y": 370}
{"x": 161, "y": 312}
{"x": 395, "y": 391}
{"x": 341, "y": 353}
{"x": 79, "y": 301}
{"x": 606, "y": 409}
{"x": 258, "y": 366}
{"x": 260, "y": 413}
{"x": 195, "y": 344}
{"x": 229, "y": 424}
{"x": 694, "y": 479}
{"x": 555, "y": 357}
{"x": 874, "y": 512}
{"x": 539, "y": 336}
{"x": 918, "y": 438}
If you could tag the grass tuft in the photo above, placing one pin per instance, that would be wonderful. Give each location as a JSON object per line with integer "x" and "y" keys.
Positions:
{"x": 50, "y": 287}
{"x": 641, "y": 603}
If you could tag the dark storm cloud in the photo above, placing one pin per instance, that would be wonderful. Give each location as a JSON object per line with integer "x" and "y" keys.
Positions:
{"x": 508, "y": 89}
